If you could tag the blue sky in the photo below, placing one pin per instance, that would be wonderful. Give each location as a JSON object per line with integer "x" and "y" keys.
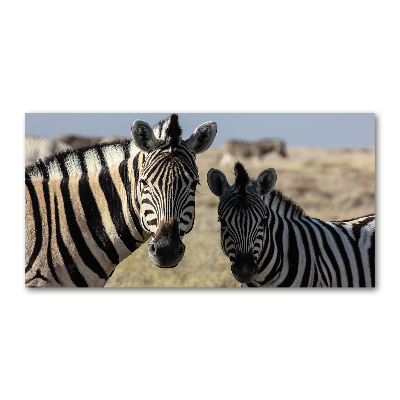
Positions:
{"x": 335, "y": 130}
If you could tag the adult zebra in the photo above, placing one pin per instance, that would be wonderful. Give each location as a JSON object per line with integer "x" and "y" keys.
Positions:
{"x": 40, "y": 147}
{"x": 88, "y": 209}
{"x": 234, "y": 150}
{"x": 271, "y": 242}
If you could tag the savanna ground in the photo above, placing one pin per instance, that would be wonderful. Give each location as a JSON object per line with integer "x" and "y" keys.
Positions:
{"x": 327, "y": 184}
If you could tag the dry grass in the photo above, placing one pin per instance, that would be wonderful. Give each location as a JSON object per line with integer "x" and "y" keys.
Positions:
{"x": 327, "y": 184}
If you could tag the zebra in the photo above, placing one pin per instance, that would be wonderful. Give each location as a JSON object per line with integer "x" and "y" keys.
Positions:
{"x": 271, "y": 242}
{"x": 40, "y": 147}
{"x": 88, "y": 209}
{"x": 77, "y": 141}
{"x": 239, "y": 149}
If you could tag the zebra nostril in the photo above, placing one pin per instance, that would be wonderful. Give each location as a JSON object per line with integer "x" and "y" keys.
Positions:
{"x": 152, "y": 247}
{"x": 181, "y": 249}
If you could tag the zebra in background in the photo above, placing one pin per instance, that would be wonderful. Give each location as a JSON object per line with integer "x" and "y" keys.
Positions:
{"x": 88, "y": 209}
{"x": 40, "y": 147}
{"x": 234, "y": 150}
{"x": 270, "y": 241}
{"x": 77, "y": 141}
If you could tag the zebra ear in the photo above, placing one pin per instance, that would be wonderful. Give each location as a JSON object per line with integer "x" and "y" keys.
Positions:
{"x": 202, "y": 137}
{"x": 266, "y": 181}
{"x": 143, "y": 136}
{"x": 217, "y": 182}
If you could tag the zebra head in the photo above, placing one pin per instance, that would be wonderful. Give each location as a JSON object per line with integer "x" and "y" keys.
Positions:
{"x": 243, "y": 217}
{"x": 167, "y": 184}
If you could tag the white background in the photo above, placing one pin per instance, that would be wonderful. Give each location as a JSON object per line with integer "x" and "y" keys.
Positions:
{"x": 211, "y": 56}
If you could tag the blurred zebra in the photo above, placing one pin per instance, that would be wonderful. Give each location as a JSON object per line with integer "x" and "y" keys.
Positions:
{"x": 271, "y": 242}
{"x": 88, "y": 209}
{"x": 77, "y": 141}
{"x": 40, "y": 147}
{"x": 234, "y": 150}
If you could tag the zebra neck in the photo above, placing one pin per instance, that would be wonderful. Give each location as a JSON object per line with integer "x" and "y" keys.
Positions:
{"x": 276, "y": 256}
{"x": 97, "y": 217}
{"x": 283, "y": 260}
{"x": 108, "y": 203}
{"x": 78, "y": 228}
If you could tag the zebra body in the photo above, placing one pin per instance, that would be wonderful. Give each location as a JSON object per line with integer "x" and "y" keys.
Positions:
{"x": 77, "y": 141}
{"x": 88, "y": 209}
{"x": 271, "y": 242}
{"x": 40, "y": 147}
{"x": 234, "y": 150}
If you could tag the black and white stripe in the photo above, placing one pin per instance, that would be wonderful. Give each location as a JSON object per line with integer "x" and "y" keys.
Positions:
{"x": 271, "y": 242}
{"x": 159, "y": 189}
{"x": 85, "y": 210}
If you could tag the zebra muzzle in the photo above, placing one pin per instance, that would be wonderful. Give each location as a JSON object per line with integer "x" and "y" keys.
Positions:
{"x": 166, "y": 250}
{"x": 166, "y": 256}
{"x": 244, "y": 268}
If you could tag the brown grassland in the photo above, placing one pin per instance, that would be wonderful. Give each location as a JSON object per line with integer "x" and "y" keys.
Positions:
{"x": 327, "y": 184}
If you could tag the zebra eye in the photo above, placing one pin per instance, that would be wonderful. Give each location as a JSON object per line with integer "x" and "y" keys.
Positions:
{"x": 222, "y": 221}
{"x": 193, "y": 185}
{"x": 264, "y": 221}
{"x": 144, "y": 184}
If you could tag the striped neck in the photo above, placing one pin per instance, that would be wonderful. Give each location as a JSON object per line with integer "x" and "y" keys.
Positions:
{"x": 273, "y": 259}
{"x": 283, "y": 206}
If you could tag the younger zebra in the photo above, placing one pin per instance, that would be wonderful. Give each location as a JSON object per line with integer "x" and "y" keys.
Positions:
{"x": 271, "y": 242}
{"x": 86, "y": 210}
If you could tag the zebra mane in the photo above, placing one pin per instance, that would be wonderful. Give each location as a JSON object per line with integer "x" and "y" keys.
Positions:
{"x": 284, "y": 205}
{"x": 170, "y": 130}
{"x": 242, "y": 178}
{"x": 83, "y": 160}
